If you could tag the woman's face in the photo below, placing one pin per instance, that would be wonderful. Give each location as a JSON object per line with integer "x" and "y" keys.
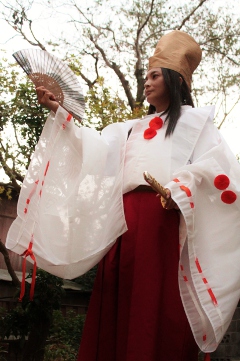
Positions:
{"x": 156, "y": 92}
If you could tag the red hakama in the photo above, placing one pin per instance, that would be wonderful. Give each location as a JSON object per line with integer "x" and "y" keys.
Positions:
{"x": 135, "y": 312}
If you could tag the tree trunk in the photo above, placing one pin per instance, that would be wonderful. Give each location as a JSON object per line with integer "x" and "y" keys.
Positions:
{"x": 35, "y": 346}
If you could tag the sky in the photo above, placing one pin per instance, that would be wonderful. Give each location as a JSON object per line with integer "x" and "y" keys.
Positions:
{"x": 46, "y": 26}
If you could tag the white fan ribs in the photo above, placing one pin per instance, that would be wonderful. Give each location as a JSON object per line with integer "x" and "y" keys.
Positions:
{"x": 46, "y": 69}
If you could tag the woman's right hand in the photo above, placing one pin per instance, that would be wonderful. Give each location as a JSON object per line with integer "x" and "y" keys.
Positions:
{"x": 47, "y": 99}
{"x": 168, "y": 203}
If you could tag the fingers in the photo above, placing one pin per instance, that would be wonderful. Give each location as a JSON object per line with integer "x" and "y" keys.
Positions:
{"x": 163, "y": 202}
{"x": 46, "y": 98}
{"x": 169, "y": 202}
{"x": 44, "y": 95}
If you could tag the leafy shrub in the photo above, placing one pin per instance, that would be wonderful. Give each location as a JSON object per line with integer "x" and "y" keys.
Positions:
{"x": 65, "y": 336}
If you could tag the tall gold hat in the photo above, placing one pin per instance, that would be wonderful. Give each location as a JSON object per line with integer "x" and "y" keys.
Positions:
{"x": 177, "y": 51}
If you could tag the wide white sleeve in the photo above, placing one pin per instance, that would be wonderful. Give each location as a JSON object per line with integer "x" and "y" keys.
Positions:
{"x": 70, "y": 207}
{"x": 209, "y": 138}
{"x": 208, "y": 195}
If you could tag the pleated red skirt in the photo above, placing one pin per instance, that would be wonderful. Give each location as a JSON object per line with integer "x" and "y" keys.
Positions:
{"x": 135, "y": 312}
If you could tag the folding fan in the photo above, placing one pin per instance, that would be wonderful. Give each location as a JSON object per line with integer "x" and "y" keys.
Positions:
{"x": 51, "y": 72}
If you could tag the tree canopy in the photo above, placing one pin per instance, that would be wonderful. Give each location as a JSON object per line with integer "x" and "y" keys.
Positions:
{"x": 108, "y": 43}
{"x": 21, "y": 122}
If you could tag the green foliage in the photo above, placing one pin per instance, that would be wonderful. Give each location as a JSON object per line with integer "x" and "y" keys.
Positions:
{"x": 74, "y": 64}
{"x": 110, "y": 53}
{"x": 47, "y": 297}
{"x": 19, "y": 105}
{"x": 5, "y": 191}
{"x": 30, "y": 322}
{"x": 15, "y": 323}
{"x": 86, "y": 281}
{"x": 21, "y": 118}
{"x": 3, "y": 347}
{"x": 104, "y": 106}
{"x": 28, "y": 115}
{"x": 3, "y": 353}
{"x": 65, "y": 335}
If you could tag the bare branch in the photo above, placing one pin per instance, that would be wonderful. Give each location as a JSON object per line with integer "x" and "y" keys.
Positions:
{"x": 12, "y": 174}
{"x": 19, "y": 18}
{"x": 114, "y": 38}
{"x": 10, "y": 269}
{"x": 34, "y": 37}
{"x": 89, "y": 82}
{"x": 226, "y": 113}
{"x": 118, "y": 72}
{"x": 139, "y": 66}
{"x": 16, "y": 135}
{"x": 191, "y": 13}
{"x": 111, "y": 65}
{"x": 85, "y": 17}
{"x": 217, "y": 50}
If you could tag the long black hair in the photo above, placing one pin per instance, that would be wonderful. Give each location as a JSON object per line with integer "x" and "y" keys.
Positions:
{"x": 179, "y": 94}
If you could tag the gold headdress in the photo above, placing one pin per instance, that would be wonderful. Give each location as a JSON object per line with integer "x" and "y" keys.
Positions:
{"x": 177, "y": 51}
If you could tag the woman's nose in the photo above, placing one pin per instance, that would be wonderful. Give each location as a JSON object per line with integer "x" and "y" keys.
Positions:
{"x": 146, "y": 84}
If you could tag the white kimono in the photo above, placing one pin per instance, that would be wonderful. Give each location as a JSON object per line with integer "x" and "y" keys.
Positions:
{"x": 70, "y": 207}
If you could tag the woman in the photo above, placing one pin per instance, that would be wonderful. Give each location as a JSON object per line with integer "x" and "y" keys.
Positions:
{"x": 136, "y": 311}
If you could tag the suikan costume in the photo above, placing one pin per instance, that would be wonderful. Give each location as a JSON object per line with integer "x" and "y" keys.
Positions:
{"x": 71, "y": 212}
